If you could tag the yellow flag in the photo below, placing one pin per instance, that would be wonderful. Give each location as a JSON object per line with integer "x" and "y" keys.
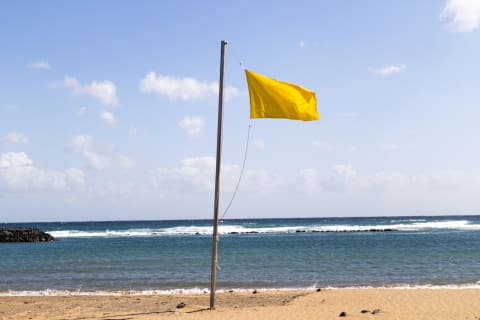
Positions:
{"x": 270, "y": 98}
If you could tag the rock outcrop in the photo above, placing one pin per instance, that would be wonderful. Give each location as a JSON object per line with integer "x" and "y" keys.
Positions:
{"x": 24, "y": 235}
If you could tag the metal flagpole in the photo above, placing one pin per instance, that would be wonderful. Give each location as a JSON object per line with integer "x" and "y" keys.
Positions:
{"x": 213, "y": 279}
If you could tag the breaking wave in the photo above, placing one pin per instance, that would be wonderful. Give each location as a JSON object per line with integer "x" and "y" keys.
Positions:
{"x": 196, "y": 290}
{"x": 225, "y": 229}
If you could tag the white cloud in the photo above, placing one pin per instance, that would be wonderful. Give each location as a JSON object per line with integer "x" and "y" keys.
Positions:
{"x": 257, "y": 180}
{"x": 464, "y": 15}
{"x": 105, "y": 91}
{"x": 389, "y": 70}
{"x": 185, "y": 89}
{"x": 193, "y": 172}
{"x": 196, "y": 174}
{"x": 17, "y": 172}
{"x": 38, "y": 65}
{"x": 301, "y": 44}
{"x": 126, "y": 162}
{"x": 15, "y": 138}
{"x": 14, "y": 159}
{"x": 307, "y": 180}
{"x": 192, "y": 125}
{"x": 108, "y": 117}
{"x": 344, "y": 178}
{"x": 84, "y": 145}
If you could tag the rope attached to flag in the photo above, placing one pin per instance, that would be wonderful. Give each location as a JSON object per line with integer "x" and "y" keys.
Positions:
{"x": 241, "y": 172}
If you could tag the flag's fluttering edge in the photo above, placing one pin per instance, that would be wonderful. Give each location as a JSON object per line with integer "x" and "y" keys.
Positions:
{"x": 270, "y": 98}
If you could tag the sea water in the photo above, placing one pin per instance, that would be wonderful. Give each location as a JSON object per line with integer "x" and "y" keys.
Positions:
{"x": 175, "y": 256}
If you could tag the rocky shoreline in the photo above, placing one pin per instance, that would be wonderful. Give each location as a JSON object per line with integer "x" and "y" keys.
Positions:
{"x": 24, "y": 235}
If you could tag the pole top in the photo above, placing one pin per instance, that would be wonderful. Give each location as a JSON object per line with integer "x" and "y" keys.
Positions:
{"x": 224, "y": 42}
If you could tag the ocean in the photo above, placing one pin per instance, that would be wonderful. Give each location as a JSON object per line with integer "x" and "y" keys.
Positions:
{"x": 174, "y": 256}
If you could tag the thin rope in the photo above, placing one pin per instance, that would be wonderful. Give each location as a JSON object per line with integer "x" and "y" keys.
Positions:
{"x": 241, "y": 173}
{"x": 240, "y": 62}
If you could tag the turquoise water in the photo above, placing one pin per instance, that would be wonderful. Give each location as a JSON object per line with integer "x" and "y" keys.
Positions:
{"x": 254, "y": 253}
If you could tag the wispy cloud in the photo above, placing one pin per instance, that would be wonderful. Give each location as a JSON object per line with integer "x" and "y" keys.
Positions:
{"x": 104, "y": 91}
{"x": 80, "y": 111}
{"x": 15, "y": 138}
{"x": 184, "y": 89}
{"x": 196, "y": 174}
{"x": 192, "y": 125}
{"x": 126, "y": 162}
{"x": 344, "y": 178}
{"x": 389, "y": 70}
{"x": 108, "y": 118}
{"x": 301, "y": 44}
{"x": 463, "y": 15}
{"x": 43, "y": 65}
{"x": 84, "y": 145}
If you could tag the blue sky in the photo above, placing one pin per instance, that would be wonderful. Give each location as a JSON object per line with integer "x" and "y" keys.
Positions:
{"x": 108, "y": 108}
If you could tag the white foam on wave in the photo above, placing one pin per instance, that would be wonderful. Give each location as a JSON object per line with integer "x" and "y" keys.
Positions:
{"x": 196, "y": 290}
{"x": 55, "y": 292}
{"x": 413, "y": 287}
{"x": 106, "y": 233}
{"x": 407, "y": 220}
{"x": 420, "y": 225}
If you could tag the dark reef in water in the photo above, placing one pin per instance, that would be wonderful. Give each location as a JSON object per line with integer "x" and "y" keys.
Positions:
{"x": 328, "y": 231}
{"x": 24, "y": 235}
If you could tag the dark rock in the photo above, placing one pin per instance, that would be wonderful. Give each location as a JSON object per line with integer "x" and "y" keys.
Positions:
{"x": 230, "y": 291}
{"x": 180, "y": 305}
{"x": 364, "y": 311}
{"x": 319, "y": 289}
{"x": 255, "y": 291}
{"x": 376, "y": 311}
{"x": 24, "y": 235}
{"x": 342, "y": 314}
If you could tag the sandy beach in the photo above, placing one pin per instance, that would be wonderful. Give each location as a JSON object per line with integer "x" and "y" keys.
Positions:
{"x": 299, "y": 304}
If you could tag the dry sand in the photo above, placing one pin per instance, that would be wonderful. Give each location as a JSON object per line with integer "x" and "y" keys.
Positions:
{"x": 402, "y": 304}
